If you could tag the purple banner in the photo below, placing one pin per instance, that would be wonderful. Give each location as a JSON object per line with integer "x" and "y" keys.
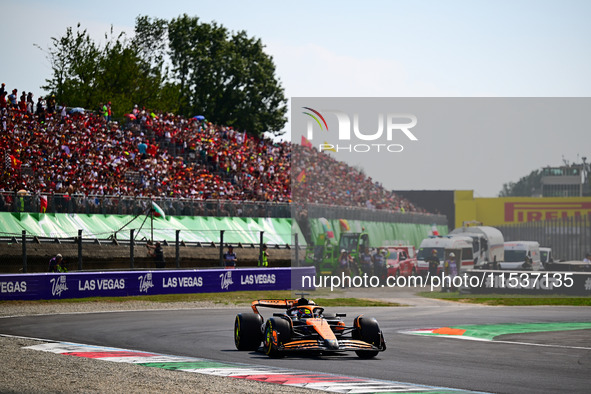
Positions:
{"x": 48, "y": 286}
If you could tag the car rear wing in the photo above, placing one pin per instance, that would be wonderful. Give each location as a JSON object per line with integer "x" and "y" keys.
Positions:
{"x": 277, "y": 304}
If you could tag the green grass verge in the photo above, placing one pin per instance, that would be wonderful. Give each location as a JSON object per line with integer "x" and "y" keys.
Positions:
{"x": 508, "y": 299}
{"x": 233, "y": 298}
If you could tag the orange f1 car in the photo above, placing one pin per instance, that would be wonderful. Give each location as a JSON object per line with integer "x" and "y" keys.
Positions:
{"x": 305, "y": 327}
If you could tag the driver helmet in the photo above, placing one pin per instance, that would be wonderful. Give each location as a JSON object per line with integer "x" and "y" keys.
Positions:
{"x": 305, "y": 312}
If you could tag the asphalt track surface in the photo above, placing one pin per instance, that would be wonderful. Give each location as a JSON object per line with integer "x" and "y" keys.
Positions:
{"x": 523, "y": 363}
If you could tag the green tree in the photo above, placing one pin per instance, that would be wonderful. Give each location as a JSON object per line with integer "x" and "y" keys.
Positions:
{"x": 86, "y": 74}
{"x": 73, "y": 62}
{"x": 227, "y": 77}
{"x": 181, "y": 65}
{"x": 525, "y": 187}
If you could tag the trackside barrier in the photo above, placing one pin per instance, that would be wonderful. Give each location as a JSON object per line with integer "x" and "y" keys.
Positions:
{"x": 48, "y": 286}
{"x": 528, "y": 282}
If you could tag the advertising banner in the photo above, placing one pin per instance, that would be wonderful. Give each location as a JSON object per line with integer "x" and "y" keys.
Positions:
{"x": 134, "y": 283}
{"x": 516, "y": 210}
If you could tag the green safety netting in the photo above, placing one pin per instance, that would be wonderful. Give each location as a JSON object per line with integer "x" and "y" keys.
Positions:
{"x": 380, "y": 233}
{"x": 192, "y": 228}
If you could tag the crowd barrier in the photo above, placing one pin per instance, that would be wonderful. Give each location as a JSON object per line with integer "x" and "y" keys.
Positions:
{"x": 47, "y": 286}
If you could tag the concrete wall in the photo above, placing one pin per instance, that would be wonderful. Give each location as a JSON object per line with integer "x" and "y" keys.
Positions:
{"x": 109, "y": 256}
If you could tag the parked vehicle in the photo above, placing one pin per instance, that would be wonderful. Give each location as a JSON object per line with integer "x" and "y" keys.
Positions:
{"x": 324, "y": 254}
{"x": 522, "y": 255}
{"x": 487, "y": 244}
{"x": 443, "y": 245}
{"x": 401, "y": 260}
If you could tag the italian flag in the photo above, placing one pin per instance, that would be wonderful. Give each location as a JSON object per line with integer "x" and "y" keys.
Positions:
{"x": 157, "y": 211}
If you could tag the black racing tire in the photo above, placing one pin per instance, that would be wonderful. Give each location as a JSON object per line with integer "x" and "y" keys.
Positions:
{"x": 247, "y": 331}
{"x": 282, "y": 328}
{"x": 368, "y": 330}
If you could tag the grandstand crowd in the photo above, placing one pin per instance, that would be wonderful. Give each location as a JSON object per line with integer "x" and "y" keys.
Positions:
{"x": 49, "y": 149}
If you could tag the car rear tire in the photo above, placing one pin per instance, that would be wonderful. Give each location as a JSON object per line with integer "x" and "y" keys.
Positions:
{"x": 247, "y": 331}
{"x": 368, "y": 330}
{"x": 277, "y": 332}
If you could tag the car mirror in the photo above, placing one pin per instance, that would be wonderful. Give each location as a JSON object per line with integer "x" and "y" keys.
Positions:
{"x": 341, "y": 315}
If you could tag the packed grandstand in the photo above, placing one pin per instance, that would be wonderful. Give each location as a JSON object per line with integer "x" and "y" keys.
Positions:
{"x": 51, "y": 150}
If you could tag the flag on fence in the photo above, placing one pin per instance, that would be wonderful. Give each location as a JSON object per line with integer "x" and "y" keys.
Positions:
{"x": 157, "y": 211}
{"x": 42, "y": 204}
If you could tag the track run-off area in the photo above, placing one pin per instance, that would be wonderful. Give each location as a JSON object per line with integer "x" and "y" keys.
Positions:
{"x": 542, "y": 349}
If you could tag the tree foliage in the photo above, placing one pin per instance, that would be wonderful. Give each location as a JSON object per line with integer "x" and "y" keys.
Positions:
{"x": 525, "y": 187}
{"x": 182, "y": 65}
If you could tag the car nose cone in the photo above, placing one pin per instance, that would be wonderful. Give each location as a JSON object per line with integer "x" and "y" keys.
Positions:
{"x": 331, "y": 344}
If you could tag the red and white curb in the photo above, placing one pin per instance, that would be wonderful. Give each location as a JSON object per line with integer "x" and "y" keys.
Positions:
{"x": 311, "y": 380}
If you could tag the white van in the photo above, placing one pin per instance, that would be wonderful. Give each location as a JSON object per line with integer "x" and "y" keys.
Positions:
{"x": 517, "y": 251}
{"x": 488, "y": 244}
{"x": 460, "y": 245}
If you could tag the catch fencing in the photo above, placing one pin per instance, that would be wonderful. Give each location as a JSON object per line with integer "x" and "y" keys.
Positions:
{"x": 569, "y": 237}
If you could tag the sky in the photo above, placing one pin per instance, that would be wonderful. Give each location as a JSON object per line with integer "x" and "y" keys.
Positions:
{"x": 404, "y": 48}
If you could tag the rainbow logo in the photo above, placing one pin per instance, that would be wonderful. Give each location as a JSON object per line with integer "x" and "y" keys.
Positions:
{"x": 315, "y": 118}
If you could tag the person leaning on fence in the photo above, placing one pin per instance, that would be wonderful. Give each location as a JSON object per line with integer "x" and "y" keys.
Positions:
{"x": 230, "y": 258}
{"x": 57, "y": 264}
{"x": 264, "y": 261}
{"x": 155, "y": 250}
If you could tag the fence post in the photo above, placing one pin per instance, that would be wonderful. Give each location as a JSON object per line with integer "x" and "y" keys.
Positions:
{"x": 24, "y": 241}
{"x": 178, "y": 252}
{"x": 297, "y": 251}
{"x": 261, "y": 248}
{"x": 79, "y": 250}
{"x": 131, "y": 248}
{"x": 222, "y": 248}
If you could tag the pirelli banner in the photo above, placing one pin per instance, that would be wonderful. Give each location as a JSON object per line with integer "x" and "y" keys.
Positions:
{"x": 47, "y": 286}
{"x": 503, "y": 211}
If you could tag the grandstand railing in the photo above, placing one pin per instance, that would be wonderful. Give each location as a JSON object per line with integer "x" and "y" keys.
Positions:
{"x": 133, "y": 205}
{"x": 373, "y": 215}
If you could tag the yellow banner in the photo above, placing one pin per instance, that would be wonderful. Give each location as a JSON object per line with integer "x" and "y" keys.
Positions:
{"x": 514, "y": 210}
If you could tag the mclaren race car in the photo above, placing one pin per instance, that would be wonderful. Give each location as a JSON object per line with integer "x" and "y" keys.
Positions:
{"x": 304, "y": 326}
